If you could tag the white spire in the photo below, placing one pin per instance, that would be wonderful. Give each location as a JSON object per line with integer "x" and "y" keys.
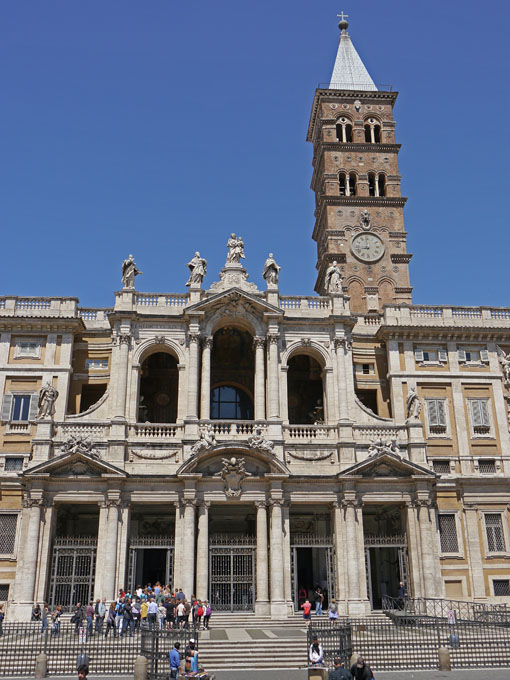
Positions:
{"x": 349, "y": 72}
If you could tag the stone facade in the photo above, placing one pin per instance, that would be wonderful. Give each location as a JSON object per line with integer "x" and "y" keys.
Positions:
{"x": 248, "y": 446}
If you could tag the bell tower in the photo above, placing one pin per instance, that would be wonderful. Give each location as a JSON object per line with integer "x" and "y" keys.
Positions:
{"x": 359, "y": 219}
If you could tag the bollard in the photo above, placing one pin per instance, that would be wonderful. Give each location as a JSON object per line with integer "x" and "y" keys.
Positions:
{"x": 317, "y": 673}
{"x": 41, "y": 667}
{"x": 140, "y": 668}
{"x": 445, "y": 663}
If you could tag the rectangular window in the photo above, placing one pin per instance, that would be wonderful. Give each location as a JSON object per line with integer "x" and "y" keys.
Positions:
{"x": 436, "y": 411}
{"x": 448, "y": 533}
{"x": 487, "y": 467}
{"x": 495, "y": 535}
{"x": 480, "y": 416}
{"x": 4, "y": 592}
{"x": 365, "y": 369}
{"x": 473, "y": 356}
{"x": 20, "y": 408}
{"x": 96, "y": 364}
{"x": 8, "y": 525}
{"x": 28, "y": 347}
{"x": 13, "y": 464}
{"x": 441, "y": 467}
{"x": 431, "y": 355}
{"x": 501, "y": 587}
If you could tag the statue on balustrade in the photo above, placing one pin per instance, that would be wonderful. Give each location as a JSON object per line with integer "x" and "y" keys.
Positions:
{"x": 129, "y": 271}
{"x": 207, "y": 440}
{"x": 198, "y": 269}
{"x": 271, "y": 271}
{"x": 333, "y": 279}
{"x": 413, "y": 404}
{"x": 48, "y": 395}
{"x": 235, "y": 245}
{"x": 504, "y": 360}
{"x": 258, "y": 442}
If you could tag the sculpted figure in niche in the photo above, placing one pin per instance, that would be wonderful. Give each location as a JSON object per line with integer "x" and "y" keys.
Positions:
{"x": 413, "y": 404}
{"x": 271, "y": 270}
{"x": 198, "y": 269}
{"x": 129, "y": 271}
{"x": 504, "y": 360}
{"x": 235, "y": 245}
{"x": 333, "y": 279}
{"x": 47, "y": 397}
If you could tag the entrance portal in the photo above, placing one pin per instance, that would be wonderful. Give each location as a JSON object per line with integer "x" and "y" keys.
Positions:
{"x": 232, "y": 574}
{"x": 385, "y": 570}
{"x": 151, "y": 559}
{"x": 312, "y": 560}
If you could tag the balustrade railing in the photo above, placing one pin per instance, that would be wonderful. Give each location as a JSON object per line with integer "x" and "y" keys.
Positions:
{"x": 155, "y": 431}
{"x": 161, "y": 300}
{"x": 305, "y": 302}
{"x": 96, "y": 431}
{"x": 437, "y": 608}
{"x": 233, "y": 428}
{"x": 375, "y": 432}
{"x": 306, "y": 432}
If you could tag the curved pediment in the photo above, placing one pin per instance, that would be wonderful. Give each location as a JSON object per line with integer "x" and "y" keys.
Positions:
{"x": 209, "y": 463}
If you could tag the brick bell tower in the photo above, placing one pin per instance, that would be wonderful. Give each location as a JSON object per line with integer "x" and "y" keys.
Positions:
{"x": 359, "y": 219}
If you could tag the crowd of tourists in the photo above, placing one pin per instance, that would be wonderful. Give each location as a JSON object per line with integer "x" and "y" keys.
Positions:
{"x": 155, "y": 606}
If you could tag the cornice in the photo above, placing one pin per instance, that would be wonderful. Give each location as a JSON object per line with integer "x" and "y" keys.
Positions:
{"x": 453, "y": 332}
{"x": 320, "y": 147}
{"x": 14, "y": 324}
{"x": 369, "y": 201}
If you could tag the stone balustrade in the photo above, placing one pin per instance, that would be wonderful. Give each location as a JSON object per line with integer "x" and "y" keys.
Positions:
{"x": 423, "y": 315}
{"x": 95, "y": 431}
{"x": 305, "y": 302}
{"x": 155, "y": 431}
{"x": 369, "y": 433}
{"x": 38, "y": 306}
{"x": 310, "y": 432}
{"x": 233, "y": 429}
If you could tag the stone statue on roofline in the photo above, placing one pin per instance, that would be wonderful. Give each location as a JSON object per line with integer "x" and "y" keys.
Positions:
{"x": 271, "y": 271}
{"x": 198, "y": 269}
{"x": 235, "y": 245}
{"x": 129, "y": 271}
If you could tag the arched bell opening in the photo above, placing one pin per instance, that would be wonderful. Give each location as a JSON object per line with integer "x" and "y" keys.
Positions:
{"x": 232, "y": 374}
{"x": 159, "y": 386}
{"x": 306, "y": 391}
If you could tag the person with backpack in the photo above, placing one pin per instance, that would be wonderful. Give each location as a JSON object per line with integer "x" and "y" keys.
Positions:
{"x": 55, "y": 618}
{"x": 111, "y": 619}
{"x": 207, "y": 614}
{"x": 119, "y": 615}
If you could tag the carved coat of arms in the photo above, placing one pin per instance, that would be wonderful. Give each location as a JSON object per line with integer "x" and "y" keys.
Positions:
{"x": 233, "y": 473}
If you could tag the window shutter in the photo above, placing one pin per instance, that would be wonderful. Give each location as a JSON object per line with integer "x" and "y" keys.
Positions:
{"x": 432, "y": 409}
{"x": 462, "y": 355}
{"x": 476, "y": 412}
{"x": 34, "y": 406}
{"x": 442, "y": 355}
{"x": 418, "y": 354}
{"x": 484, "y": 412}
{"x": 441, "y": 412}
{"x": 6, "y": 408}
{"x": 484, "y": 355}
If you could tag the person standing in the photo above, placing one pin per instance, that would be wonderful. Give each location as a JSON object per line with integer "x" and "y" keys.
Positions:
{"x": 339, "y": 673}
{"x": 44, "y": 617}
{"x": 207, "y": 614}
{"x": 307, "y": 608}
{"x": 319, "y": 597}
{"x": 100, "y": 614}
{"x": 175, "y": 660}
{"x": 2, "y": 616}
{"x": 77, "y": 618}
{"x": 110, "y": 620}
{"x": 152, "y": 612}
{"x": 55, "y": 617}
{"x": 90, "y": 618}
{"x": 181, "y": 609}
{"x": 128, "y": 618}
{"x": 360, "y": 670}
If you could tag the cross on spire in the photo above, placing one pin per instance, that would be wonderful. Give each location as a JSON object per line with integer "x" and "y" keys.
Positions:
{"x": 343, "y": 16}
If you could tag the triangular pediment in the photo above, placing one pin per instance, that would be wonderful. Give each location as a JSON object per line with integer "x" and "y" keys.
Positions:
{"x": 234, "y": 298}
{"x": 386, "y": 465}
{"x": 75, "y": 465}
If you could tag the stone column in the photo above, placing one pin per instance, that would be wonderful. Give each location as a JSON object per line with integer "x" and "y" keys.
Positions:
{"x": 272, "y": 371}
{"x": 431, "y": 566}
{"x": 203, "y": 551}
{"x": 121, "y": 377}
{"x": 262, "y": 591}
{"x": 415, "y": 586}
{"x": 278, "y": 608}
{"x": 340, "y": 558}
{"x": 287, "y": 583}
{"x": 110, "y": 549}
{"x": 194, "y": 339}
{"x": 260, "y": 379}
{"x": 25, "y": 584}
{"x": 354, "y": 555}
{"x": 188, "y": 547}
{"x": 474, "y": 553}
{"x": 343, "y": 404}
{"x": 205, "y": 386}
{"x": 329, "y": 391}
{"x": 178, "y": 531}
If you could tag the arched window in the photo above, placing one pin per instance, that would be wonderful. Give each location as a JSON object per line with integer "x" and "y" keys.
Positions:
{"x": 158, "y": 389}
{"x": 232, "y": 374}
{"x": 342, "y": 184}
{"x": 381, "y": 185}
{"x": 372, "y": 131}
{"x": 305, "y": 390}
{"x": 371, "y": 184}
{"x": 344, "y": 130}
{"x": 230, "y": 403}
{"x": 352, "y": 184}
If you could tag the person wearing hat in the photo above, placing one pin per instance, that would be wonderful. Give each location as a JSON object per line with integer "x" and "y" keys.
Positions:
{"x": 191, "y": 657}
{"x": 360, "y": 670}
{"x": 340, "y": 673}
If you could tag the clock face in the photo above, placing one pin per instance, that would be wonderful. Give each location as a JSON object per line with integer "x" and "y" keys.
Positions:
{"x": 367, "y": 247}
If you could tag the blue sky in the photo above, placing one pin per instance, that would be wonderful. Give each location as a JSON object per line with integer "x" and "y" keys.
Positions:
{"x": 159, "y": 127}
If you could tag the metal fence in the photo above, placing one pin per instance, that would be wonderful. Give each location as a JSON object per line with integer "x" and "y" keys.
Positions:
{"x": 156, "y": 645}
{"x": 21, "y": 643}
{"x": 437, "y": 608}
{"x": 389, "y": 646}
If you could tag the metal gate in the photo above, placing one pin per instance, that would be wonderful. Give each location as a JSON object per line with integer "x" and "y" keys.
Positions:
{"x": 399, "y": 542}
{"x": 73, "y": 567}
{"x": 312, "y": 541}
{"x": 138, "y": 543}
{"x": 232, "y": 573}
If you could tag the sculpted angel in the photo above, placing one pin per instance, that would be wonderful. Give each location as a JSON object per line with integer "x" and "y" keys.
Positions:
{"x": 504, "y": 361}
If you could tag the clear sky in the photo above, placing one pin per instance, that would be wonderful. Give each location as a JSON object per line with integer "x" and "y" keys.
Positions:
{"x": 158, "y": 127}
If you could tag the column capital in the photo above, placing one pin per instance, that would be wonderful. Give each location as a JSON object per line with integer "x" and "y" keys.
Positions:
{"x": 351, "y": 503}
{"x": 258, "y": 342}
{"x": 124, "y": 339}
{"x": 204, "y": 504}
{"x": 272, "y": 338}
{"x": 189, "y": 502}
{"x": 342, "y": 343}
{"x": 276, "y": 502}
{"x": 34, "y": 502}
{"x": 110, "y": 503}
{"x": 261, "y": 504}
{"x": 207, "y": 341}
{"x": 193, "y": 337}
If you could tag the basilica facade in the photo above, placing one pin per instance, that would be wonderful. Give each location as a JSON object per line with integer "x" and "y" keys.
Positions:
{"x": 248, "y": 446}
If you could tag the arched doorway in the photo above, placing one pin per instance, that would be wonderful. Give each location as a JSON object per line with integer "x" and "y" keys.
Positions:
{"x": 305, "y": 390}
{"x": 232, "y": 375}
{"x": 159, "y": 385}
